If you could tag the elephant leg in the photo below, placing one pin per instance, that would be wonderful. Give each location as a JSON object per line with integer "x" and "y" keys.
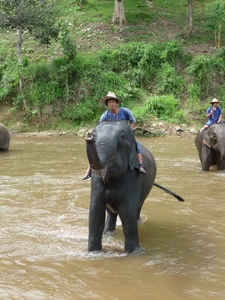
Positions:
{"x": 128, "y": 217}
{"x": 206, "y": 158}
{"x": 206, "y": 165}
{"x": 139, "y": 212}
{"x": 96, "y": 225}
{"x": 110, "y": 224}
{"x": 221, "y": 164}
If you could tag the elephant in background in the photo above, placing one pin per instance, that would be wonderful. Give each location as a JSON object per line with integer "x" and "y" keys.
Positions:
{"x": 211, "y": 146}
{"x": 4, "y": 138}
{"x": 116, "y": 184}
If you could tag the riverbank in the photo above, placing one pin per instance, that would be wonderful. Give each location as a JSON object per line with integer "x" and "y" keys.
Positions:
{"x": 18, "y": 125}
{"x": 156, "y": 129}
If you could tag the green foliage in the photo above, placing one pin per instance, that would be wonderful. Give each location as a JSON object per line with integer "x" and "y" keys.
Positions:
{"x": 141, "y": 114}
{"x": 123, "y": 58}
{"x": 194, "y": 92}
{"x": 35, "y": 16}
{"x": 49, "y": 84}
{"x": 8, "y": 78}
{"x": 168, "y": 81}
{"x": 199, "y": 69}
{"x": 66, "y": 39}
{"x": 165, "y": 107}
{"x": 157, "y": 54}
{"x": 100, "y": 11}
{"x": 81, "y": 113}
{"x": 215, "y": 21}
{"x": 193, "y": 103}
{"x": 161, "y": 105}
{"x": 68, "y": 82}
{"x": 71, "y": 88}
{"x": 207, "y": 73}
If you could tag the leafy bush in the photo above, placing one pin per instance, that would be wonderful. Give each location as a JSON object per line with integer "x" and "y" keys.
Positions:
{"x": 208, "y": 73}
{"x": 124, "y": 58}
{"x": 156, "y": 55}
{"x": 70, "y": 86}
{"x": 80, "y": 113}
{"x": 9, "y": 76}
{"x": 200, "y": 69}
{"x": 161, "y": 105}
{"x": 167, "y": 80}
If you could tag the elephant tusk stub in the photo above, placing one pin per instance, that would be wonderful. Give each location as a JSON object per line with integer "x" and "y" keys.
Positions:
{"x": 204, "y": 142}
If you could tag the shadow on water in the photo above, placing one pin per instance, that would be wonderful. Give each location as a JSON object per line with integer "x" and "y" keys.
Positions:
{"x": 44, "y": 227}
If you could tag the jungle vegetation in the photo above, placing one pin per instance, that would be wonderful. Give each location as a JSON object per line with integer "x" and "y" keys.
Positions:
{"x": 56, "y": 65}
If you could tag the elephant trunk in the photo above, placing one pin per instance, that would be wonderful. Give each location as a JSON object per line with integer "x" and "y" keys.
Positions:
{"x": 92, "y": 153}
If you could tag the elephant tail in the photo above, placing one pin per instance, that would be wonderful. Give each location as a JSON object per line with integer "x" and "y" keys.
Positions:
{"x": 169, "y": 192}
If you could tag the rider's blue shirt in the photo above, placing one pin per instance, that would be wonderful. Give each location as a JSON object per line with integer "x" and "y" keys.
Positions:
{"x": 123, "y": 114}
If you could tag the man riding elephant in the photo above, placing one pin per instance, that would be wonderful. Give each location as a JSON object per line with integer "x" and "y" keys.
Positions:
{"x": 115, "y": 113}
{"x": 213, "y": 113}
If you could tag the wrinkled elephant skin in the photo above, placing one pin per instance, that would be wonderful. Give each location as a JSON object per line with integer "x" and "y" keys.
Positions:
{"x": 4, "y": 138}
{"x": 211, "y": 147}
{"x": 116, "y": 184}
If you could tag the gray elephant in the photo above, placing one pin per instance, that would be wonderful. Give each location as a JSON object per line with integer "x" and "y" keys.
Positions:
{"x": 4, "y": 138}
{"x": 116, "y": 185}
{"x": 211, "y": 146}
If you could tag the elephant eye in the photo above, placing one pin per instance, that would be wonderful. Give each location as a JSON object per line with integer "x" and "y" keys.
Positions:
{"x": 123, "y": 135}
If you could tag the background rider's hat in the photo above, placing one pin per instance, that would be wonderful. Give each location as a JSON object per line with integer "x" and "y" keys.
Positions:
{"x": 110, "y": 95}
{"x": 214, "y": 101}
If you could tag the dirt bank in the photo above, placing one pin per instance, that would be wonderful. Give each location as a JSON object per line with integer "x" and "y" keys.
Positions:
{"x": 148, "y": 130}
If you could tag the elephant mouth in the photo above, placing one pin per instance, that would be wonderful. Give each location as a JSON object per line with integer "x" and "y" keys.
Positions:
{"x": 101, "y": 173}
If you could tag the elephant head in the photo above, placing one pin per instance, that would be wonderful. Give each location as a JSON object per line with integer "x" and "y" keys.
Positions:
{"x": 111, "y": 149}
{"x": 214, "y": 138}
{"x": 211, "y": 146}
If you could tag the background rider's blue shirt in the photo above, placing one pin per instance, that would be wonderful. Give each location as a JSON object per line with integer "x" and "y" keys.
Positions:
{"x": 214, "y": 117}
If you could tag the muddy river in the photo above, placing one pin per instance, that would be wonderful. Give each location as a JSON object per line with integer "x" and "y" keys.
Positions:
{"x": 44, "y": 227}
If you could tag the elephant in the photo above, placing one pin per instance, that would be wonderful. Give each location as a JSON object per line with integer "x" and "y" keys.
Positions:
{"x": 116, "y": 185}
{"x": 4, "y": 138}
{"x": 211, "y": 146}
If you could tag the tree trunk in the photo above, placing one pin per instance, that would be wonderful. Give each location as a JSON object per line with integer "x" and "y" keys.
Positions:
{"x": 191, "y": 4}
{"x": 19, "y": 45}
{"x": 215, "y": 36}
{"x": 218, "y": 36}
{"x": 118, "y": 12}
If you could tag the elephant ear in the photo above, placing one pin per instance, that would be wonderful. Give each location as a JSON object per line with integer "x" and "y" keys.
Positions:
{"x": 133, "y": 157}
{"x": 208, "y": 136}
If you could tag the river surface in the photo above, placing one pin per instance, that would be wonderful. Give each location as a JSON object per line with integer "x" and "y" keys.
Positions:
{"x": 44, "y": 227}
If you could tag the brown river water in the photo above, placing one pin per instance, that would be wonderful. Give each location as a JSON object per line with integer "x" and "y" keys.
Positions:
{"x": 44, "y": 227}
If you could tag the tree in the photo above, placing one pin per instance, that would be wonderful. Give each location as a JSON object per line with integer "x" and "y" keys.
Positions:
{"x": 202, "y": 8}
{"x": 190, "y": 12}
{"x": 37, "y": 17}
{"x": 118, "y": 12}
{"x": 219, "y": 18}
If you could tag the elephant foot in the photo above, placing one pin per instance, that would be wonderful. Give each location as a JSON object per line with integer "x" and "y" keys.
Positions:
{"x": 137, "y": 250}
{"x": 108, "y": 232}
